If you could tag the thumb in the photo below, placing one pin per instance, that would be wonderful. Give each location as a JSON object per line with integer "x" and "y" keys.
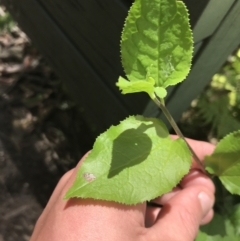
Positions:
{"x": 181, "y": 216}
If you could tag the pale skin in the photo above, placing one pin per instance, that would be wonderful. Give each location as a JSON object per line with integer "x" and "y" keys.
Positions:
{"x": 185, "y": 208}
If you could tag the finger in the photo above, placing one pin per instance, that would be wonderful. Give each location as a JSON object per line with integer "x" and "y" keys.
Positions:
{"x": 166, "y": 197}
{"x": 198, "y": 178}
{"x": 185, "y": 211}
{"x": 153, "y": 211}
{"x": 201, "y": 148}
{"x": 208, "y": 217}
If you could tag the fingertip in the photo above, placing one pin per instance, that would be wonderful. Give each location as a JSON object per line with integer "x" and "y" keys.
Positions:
{"x": 206, "y": 200}
{"x": 207, "y": 218}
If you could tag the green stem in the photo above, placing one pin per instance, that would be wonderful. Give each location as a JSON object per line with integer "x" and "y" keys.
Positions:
{"x": 161, "y": 105}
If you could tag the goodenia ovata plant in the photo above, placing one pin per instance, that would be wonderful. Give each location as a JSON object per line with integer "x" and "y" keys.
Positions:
{"x": 137, "y": 161}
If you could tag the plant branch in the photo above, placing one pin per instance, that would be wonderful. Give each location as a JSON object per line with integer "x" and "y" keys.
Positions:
{"x": 161, "y": 105}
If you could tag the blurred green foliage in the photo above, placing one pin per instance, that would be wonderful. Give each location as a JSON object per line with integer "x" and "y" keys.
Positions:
{"x": 216, "y": 112}
{"x": 219, "y": 105}
{"x": 6, "y": 21}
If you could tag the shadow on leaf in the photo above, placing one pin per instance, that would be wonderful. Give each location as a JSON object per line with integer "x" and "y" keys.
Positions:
{"x": 130, "y": 148}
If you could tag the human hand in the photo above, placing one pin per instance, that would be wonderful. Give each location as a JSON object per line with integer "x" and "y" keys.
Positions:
{"x": 185, "y": 208}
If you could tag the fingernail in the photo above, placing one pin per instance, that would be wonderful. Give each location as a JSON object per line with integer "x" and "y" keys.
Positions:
{"x": 206, "y": 202}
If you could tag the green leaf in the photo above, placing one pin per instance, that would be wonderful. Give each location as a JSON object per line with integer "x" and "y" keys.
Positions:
{"x": 132, "y": 162}
{"x": 137, "y": 86}
{"x": 225, "y": 162}
{"x": 204, "y": 237}
{"x": 157, "y": 42}
{"x": 235, "y": 219}
{"x": 219, "y": 229}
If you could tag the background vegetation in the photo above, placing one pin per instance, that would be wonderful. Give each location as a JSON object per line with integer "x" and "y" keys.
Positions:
{"x": 216, "y": 112}
{"x": 49, "y": 112}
